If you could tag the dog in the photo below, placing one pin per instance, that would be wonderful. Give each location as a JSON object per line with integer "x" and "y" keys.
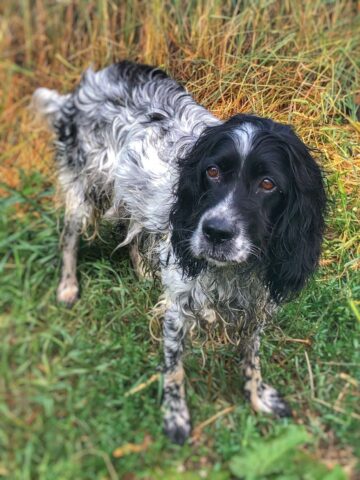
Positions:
{"x": 230, "y": 212}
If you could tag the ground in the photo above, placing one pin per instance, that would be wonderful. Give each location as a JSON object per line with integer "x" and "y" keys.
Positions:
{"x": 80, "y": 389}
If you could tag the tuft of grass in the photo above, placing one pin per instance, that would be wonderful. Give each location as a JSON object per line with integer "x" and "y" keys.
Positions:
{"x": 78, "y": 385}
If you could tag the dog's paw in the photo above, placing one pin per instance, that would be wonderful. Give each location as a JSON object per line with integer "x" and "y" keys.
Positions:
{"x": 67, "y": 293}
{"x": 267, "y": 399}
{"x": 177, "y": 425}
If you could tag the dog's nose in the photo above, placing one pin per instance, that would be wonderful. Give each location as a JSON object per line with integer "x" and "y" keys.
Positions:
{"x": 217, "y": 230}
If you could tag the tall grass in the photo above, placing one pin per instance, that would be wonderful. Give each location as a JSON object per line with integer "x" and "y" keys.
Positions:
{"x": 65, "y": 374}
{"x": 294, "y": 61}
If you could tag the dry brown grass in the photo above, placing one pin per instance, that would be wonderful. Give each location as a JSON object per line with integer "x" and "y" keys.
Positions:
{"x": 293, "y": 61}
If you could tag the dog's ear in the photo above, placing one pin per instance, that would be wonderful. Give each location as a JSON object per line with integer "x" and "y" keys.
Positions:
{"x": 185, "y": 211}
{"x": 295, "y": 243}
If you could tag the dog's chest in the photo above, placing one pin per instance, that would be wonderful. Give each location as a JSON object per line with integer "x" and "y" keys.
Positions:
{"x": 232, "y": 295}
{"x": 228, "y": 309}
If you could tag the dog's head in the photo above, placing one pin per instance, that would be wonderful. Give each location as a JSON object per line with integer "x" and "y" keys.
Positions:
{"x": 250, "y": 191}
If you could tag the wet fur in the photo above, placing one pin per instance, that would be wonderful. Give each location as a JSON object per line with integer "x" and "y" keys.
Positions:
{"x": 131, "y": 145}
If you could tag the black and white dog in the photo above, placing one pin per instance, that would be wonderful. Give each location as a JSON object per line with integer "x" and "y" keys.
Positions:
{"x": 234, "y": 210}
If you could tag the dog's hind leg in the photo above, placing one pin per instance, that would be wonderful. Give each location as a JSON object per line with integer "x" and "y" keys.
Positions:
{"x": 263, "y": 397}
{"x": 176, "y": 414}
{"x": 77, "y": 212}
{"x": 137, "y": 262}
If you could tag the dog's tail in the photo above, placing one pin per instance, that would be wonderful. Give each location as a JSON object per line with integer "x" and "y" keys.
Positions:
{"x": 47, "y": 105}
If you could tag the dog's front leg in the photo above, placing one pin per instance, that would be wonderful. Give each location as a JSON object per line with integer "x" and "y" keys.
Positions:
{"x": 176, "y": 414}
{"x": 68, "y": 289}
{"x": 263, "y": 397}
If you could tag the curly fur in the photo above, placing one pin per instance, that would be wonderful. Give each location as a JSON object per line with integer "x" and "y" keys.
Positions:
{"x": 133, "y": 146}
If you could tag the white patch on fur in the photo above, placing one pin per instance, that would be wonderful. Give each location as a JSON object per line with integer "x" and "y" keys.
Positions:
{"x": 267, "y": 400}
{"x": 240, "y": 246}
{"x": 243, "y": 138}
{"x": 67, "y": 292}
{"x": 47, "y": 104}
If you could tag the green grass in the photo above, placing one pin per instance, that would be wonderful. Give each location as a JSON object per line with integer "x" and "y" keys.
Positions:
{"x": 65, "y": 373}
{"x": 68, "y": 377}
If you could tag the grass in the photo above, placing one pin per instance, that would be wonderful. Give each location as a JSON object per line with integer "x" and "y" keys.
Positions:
{"x": 78, "y": 399}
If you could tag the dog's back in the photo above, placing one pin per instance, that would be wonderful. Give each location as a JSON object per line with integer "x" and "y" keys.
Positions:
{"x": 125, "y": 88}
{"x": 114, "y": 134}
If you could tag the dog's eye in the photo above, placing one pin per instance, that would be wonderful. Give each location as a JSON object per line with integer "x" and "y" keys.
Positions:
{"x": 267, "y": 184}
{"x": 213, "y": 172}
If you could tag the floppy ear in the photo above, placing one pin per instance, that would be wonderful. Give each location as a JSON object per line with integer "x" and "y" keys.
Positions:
{"x": 295, "y": 244}
{"x": 185, "y": 212}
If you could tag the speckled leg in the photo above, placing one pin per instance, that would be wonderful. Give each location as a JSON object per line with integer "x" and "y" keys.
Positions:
{"x": 263, "y": 397}
{"x": 77, "y": 213}
{"x": 176, "y": 414}
{"x": 68, "y": 289}
{"x": 138, "y": 263}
